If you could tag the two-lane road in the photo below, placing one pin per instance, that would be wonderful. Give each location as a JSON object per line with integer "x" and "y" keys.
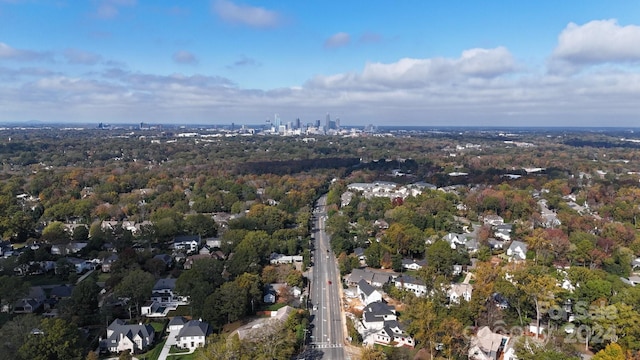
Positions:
{"x": 327, "y": 335}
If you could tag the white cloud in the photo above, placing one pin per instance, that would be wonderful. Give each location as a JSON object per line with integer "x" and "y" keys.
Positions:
{"x": 75, "y": 56}
{"x": 597, "y": 42}
{"x": 337, "y": 40}
{"x": 246, "y": 15}
{"x": 486, "y": 62}
{"x": 416, "y": 73}
{"x": 184, "y": 57}
{"x": 10, "y": 53}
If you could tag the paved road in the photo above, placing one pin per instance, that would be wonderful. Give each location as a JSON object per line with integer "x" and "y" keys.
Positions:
{"x": 327, "y": 335}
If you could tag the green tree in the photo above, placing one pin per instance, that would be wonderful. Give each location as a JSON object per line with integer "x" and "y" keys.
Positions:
{"x": 611, "y": 352}
{"x": 12, "y": 288}
{"x": 84, "y": 299}
{"x": 200, "y": 224}
{"x": 54, "y": 233}
{"x": 136, "y": 286}
{"x": 15, "y": 332}
{"x": 55, "y": 340}
{"x": 440, "y": 257}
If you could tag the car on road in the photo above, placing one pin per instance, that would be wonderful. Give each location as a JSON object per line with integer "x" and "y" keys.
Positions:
{"x": 329, "y": 281}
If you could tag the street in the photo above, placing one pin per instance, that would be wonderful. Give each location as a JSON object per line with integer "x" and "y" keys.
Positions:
{"x": 327, "y": 335}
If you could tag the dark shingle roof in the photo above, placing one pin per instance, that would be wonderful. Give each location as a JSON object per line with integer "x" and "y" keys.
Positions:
{"x": 194, "y": 328}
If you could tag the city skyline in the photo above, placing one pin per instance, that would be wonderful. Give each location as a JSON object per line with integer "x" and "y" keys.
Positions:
{"x": 495, "y": 63}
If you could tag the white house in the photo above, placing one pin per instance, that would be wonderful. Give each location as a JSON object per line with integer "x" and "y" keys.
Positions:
{"x": 487, "y": 345}
{"x": 154, "y": 309}
{"x": 187, "y": 243}
{"x": 368, "y": 293}
{"x": 392, "y": 335}
{"x": 460, "y": 291}
{"x": 164, "y": 294}
{"x": 193, "y": 335}
{"x": 412, "y": 264}
{"x": 410, "y": 283}
{"x": 122, "y": 337}
{"x": 176, "y": 323}
{"x": 517, "y": 251}
{"x": 380, "y": 326}
{"x": 276, "y": 259}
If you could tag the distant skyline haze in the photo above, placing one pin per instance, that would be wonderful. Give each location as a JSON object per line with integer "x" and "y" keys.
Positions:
{"x": 414, "y": 63}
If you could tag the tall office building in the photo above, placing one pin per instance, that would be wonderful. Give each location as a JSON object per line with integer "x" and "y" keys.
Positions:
{"x": 276, "y": 121}
{"x": 327, "y": 122}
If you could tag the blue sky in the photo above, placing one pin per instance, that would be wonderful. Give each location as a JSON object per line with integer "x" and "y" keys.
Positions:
{"x": 430, "y": 63}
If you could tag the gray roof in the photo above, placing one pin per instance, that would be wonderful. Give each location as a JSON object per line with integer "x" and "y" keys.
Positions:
{"x": 376, "y": 311}
{"x": 165, "y": 284}
{"x": 194, "y": 328}
{"x": 407, "y": 279}
{"x": 62, "y": 291}
{"x": 381, "y": 278}
{"x": 119, "y": 328}
{"x": 359, "y": 274}
{"x": 365, "y": 287}
{"x": 177, "y": 320}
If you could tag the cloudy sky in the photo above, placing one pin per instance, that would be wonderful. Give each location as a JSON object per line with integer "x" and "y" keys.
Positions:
{"x": 410, "y": 62}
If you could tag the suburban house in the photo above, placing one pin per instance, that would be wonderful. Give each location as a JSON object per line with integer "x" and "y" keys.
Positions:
{"x": 32, "y": 302}
{"x": 359, "y": 253}
{"x": 176, "y": 323}
{"x": 187, "y": 243}
{"x": 66, "y": 249}
{"x": 61, "y": 292}
{"x": 368, "y": 293}
{"x": 277, "y": 259}
{"x": 460, "y": 291}
{"x": 411, "y": 264}
{"x": 487, "y": 345}
{"x": 163, "y": 293}
{"x": 374, "y": 278}
{"x": 380, "y": 326}
{"x": 108, "y": 261}
{"x": 155, "y": 309}
{"x": 122, "y": 337}
{"x": 455, "y": 240}
{"x": 517, "y": 251}
{"x": 193, "y": 334}
{"x": 410, "y": 283}
{"x": 392, "y": 335}
{"x": 80, "y": 265}
{"x": 493, "y": 220}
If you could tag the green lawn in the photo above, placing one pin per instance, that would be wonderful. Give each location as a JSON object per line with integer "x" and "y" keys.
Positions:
{"x": 182, "y": 357}
{"x": 158, "y": 326}
{"x": 152, "y": 354}
{"x": 177, "y": 350}
{"x": 103, "y": 277}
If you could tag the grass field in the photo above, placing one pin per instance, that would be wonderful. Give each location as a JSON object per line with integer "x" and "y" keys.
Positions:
{"x": 152, "y": 354}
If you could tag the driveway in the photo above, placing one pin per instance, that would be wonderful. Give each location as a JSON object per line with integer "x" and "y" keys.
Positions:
{"x": 171, "y": 340}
